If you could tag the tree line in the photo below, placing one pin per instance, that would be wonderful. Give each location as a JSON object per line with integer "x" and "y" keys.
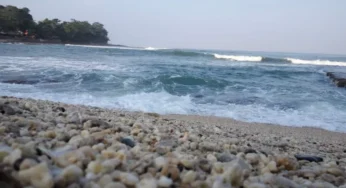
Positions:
{"x": 19, "y": 21}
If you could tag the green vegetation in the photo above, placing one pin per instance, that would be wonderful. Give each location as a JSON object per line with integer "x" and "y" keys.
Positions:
{"x": 20, "y": 22}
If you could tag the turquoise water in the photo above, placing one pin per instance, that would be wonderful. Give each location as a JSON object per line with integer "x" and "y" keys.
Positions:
{"x": 282, "y": 88}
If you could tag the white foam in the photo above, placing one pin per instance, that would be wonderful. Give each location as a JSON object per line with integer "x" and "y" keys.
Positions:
{"x": 316, "y": 62}
{"x": 319, "y": 114}
{"x": 239, "y": 58}
{"x": 151, "y": 48}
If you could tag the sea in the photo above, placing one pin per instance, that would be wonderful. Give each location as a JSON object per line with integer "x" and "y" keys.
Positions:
{"x": 289, "y": 89}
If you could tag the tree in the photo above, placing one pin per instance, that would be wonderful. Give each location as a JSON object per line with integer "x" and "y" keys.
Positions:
{"x": 15, "y": 19}
{"x": 48, "y": 29}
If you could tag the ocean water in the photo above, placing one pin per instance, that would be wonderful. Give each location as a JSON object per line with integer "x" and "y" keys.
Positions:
{"x": 281, "y": 88}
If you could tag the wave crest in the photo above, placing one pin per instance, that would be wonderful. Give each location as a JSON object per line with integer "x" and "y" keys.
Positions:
{"x": 239, "y": 58}
{"x": 316, "y": 62}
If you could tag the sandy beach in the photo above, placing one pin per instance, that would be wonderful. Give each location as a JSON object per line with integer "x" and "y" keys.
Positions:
{"x": 48, "y": 144}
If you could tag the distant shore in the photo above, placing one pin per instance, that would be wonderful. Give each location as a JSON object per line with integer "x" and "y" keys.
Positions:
{"x": 26, "y": 40}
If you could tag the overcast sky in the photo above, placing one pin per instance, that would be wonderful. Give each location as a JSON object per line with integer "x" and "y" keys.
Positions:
{"x": 256, "y": 25}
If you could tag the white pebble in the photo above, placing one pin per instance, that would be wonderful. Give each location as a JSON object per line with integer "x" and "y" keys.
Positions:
{"x": 165, "y": 182}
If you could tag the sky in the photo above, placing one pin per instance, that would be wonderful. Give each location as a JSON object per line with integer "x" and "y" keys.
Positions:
{"x": 310, "y": 26}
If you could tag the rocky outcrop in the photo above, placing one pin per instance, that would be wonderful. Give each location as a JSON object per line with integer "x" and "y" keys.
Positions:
{"x": 339, "y": 78}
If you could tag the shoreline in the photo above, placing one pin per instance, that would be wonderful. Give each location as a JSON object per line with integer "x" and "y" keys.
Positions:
{"x": 52, "y": 139}
{"x": 52, "y": 42}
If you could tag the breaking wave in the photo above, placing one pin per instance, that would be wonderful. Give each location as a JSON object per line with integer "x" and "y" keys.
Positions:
{"x": 240, "y": 58}
{"x": 316, "y": 62}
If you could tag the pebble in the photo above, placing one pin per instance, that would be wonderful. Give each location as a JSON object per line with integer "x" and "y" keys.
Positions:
{"x": 336, "y": 171}
{"x": 105, "y": 180}
{"x": 253, "y": 158}
{"x": 93, "y": 148}
{"x": 309, "y": 158}
{"x": 115, "y": 185}
{"x": 128, "y": 142}
{"x": 165, "y": 181}
{"x": 38, "y": 176}
{"x": 272, "y": 166}
{"x": 208, "y": 146}
{"x": 129, "y": 179}
{"x": 189, "y": 177}
{"x": 170, "y": 171}
{"x": 211, "y": 158}
{"x": 147, "y": 183}
{"x": 225, "y": 157}
{"x": 94, "y": 167}
{"x": 71, "y": 174}
{"x": 160, "y": 162}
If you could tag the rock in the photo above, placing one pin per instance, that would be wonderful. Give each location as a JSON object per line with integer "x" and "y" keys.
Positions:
{"x": 225, "y": 157}
{"x": 128, "y": 142}
{"x": 147, "y": 183}
{"x": 205, "y": 165}
{"x": 38, "y": 176}
{"x": 105, "y": 180}
{"x": 211, "y": 158}
{"x": 272, "y": 166}
{"x": 110, "y": 164}
{"x": 208, "y": 146}
{"x": 256, "y": 185}
{"x": 129, "y": 179}
{"x": 322, "y": 185}
{"x": 4, "y": 151}
{"x": 280, "y": 181}
{"x": 286, "y": 162}
{"x": 13, "y": 157}
{"x": 309, "y": 158}
{"x": 188, "y": 164}
{"x": 160, "y": 162}
{"x": 189, "y": 177}
{"x": 220, "y": 183}
{"x": 96, "y": 123}
{"x": 70, "y": 157}
{"x": 236, "y": 172}
{"x": 336, "y": 171}
{"x": 74, "y": 118}
{"x": 249, "y": 150}
{"x": 165, "y": 145}
{"x": 94, "y": 167}
{"x": 193, "y": 145}
{"x": 115, "y": 185}
{"x": 339, "y": 78}
{"x": 7, "y": 181}
{"x": 253, "y": 158}
{"x": 70, "y": 175}
{"x": 6, "y": 109}
{"x": 164, "y": 182}
{"x": 170, "y": 171}
{"x": 25, "y": 163}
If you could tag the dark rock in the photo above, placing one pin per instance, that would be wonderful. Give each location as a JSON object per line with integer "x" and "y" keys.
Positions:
{"x": 96, "y": 123}
{"x": 225, "y": 157}
{"x": 128, "y": 142}
{"x": 250, "y": 151}
{"x": 339, "y": 78}
{"x": 309, "y": 158}
{"x": 7, "y": 181}
{"x": 61, "y": 109}
{"x": 7, "y": 109}
{"x": 19, "y": 161}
